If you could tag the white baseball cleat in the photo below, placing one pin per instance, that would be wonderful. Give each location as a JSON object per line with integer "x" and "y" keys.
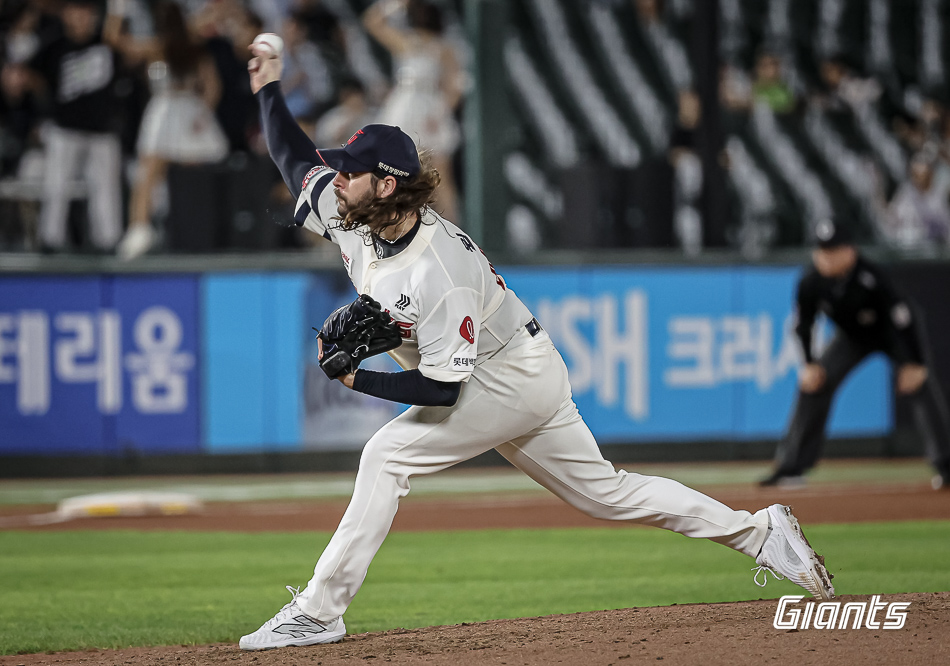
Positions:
{"x": 787, "y": 554}
{"x": 291, "y": 626}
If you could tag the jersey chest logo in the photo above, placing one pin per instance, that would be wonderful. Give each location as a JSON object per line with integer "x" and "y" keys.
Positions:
{"x": 467, "y": 330}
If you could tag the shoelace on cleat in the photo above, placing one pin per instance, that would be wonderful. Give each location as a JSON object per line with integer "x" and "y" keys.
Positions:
{"x": 281, "y": 614}
{"x": 765, "y": 576}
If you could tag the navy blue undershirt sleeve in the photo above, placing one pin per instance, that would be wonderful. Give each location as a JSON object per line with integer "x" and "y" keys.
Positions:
{"x": 409, "y": 387}
{"x": 289, "y": 146}
{"x": 807, "y": 310}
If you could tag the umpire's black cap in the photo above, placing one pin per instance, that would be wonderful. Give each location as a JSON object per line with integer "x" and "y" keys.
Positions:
{"x": 832, "y": 233}
{"x": 382, "y": 149}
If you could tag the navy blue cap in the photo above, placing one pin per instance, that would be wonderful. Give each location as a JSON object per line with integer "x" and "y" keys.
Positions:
{"x": 831, "y": 233}
{"x": 382, "y": 149}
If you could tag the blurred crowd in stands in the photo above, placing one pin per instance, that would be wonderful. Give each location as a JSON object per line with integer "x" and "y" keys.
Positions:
{"x": 129, "y": 127}
{"x": 823, "y": 109}
{"x": 848, "y": 106}
{"x": 862, "y": 129}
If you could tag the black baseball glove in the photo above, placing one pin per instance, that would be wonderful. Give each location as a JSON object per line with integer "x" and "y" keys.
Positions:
{"x": 355, "y": 332}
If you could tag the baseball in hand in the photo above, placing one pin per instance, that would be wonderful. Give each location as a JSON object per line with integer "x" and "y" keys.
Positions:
{"x": 269, "y": 42}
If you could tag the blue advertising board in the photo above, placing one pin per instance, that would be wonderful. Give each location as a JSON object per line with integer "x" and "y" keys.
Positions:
{"x": 263, "y": 388}
{"x": 99, "y": 365}
{"x": 253, "y": 362}
{"x": 227, "y": 363}
{"x": 688, "y": 353}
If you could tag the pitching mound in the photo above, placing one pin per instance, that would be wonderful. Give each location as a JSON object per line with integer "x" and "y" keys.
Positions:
{"x": 732, "y": 633}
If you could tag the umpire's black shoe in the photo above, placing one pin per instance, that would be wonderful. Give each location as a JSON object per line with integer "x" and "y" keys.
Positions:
{"x": 784, "y": 480}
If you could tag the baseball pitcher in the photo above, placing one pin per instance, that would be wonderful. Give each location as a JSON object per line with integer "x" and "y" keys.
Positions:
{"x": 478, "y": 369}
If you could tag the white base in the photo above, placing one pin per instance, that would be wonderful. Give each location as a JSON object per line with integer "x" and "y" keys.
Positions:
{"x": 128, "y": 503}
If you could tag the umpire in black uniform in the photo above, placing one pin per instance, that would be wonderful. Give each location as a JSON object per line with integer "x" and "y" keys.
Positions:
{"x": 870, "y": 317}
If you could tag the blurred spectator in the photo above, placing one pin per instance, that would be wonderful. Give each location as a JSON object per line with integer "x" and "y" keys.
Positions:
{"x": 909, "y": 130}
{"x": 76, "y": 70}
{"x": 735, "y": 88}
{"x": 228, "y": 29}
{"x": 178, "y": 125}
{"x": 669, "y": 52}
{"x": 919, "y": 212}
{"x": 22, "y": 40}
{"x": 769, "y": 87}
{"x": 352, "y": 112}
{"x": 17, "y": 113}
{"x": 306, "y": 80}
{"x": 919, "y": 124}
{"x": 843, "y": 89}
{"x": 18, "y": 101}
{"x": 428, "y": 86}
{"x": 322, "y": 25}
{"x": 688, "y": 174}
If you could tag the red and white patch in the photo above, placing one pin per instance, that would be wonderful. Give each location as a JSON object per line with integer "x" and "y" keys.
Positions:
{"x": 310, "y": 174}
{"x": 467, "y": 330}
{"x": 405, "y": 329}
{"x": 346, "y": 261}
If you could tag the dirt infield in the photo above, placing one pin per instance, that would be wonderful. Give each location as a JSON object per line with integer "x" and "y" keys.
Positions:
{"x": 730, "y": 633}
{"x": 819, "y": 504}
{"x": 711, "y": 634}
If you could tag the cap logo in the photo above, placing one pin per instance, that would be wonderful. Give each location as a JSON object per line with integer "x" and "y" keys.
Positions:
{"x": 825, "y": 230}
{"x": 393, "y": 170}
{"x": 353, "y": 138}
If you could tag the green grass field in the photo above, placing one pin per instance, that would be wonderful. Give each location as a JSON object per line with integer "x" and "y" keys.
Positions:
{"x": 75, "y": 590}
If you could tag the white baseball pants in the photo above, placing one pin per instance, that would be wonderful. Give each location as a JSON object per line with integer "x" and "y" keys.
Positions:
{"x": 97, "y": 157}
{"x": 520, "y": 397}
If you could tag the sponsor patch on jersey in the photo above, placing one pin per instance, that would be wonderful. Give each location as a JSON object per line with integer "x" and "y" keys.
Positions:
{"x": 467, "y": 330}
{"x": 403, "y": 302}
{"x": 310, "y": 174}
{"x": 405, "y": 329}
{"x": 463, "y": 362}
{"x": 346, "y": 261}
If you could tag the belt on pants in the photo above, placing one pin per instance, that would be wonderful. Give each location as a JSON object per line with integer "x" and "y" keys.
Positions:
{"x": 533, "y": 327}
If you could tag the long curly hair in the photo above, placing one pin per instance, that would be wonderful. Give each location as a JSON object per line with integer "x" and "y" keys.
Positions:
{"x": 182, "y": 53}
{"x": 380, "y": 213}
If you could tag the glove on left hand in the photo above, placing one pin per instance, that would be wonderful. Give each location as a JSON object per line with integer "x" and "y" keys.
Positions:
{"x": 355, "y": 332}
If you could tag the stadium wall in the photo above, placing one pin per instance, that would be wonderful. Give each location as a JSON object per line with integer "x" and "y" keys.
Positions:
{"x": 216, "y": 371}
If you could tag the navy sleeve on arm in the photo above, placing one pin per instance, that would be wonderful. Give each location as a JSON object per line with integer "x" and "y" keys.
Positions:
{"x": 902, "y": 326}
{"x": 806, "y": 311}
{"x": 409, "y": 387}
{"x": 289, "y": 146}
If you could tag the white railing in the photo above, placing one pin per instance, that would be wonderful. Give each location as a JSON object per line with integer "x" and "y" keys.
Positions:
{"x": 560, "y": 142}
{"x": 602, "y": 120}
{"x": 640, "y": 95}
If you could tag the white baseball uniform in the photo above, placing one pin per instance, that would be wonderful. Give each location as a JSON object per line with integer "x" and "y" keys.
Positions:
{"x": 462, "y": 323}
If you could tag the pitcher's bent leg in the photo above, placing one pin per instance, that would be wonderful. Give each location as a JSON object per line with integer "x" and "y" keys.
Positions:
{"x": 382, "y": 480}
{"x": 565, "y": 459}
{"x": 419, "y": 441}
